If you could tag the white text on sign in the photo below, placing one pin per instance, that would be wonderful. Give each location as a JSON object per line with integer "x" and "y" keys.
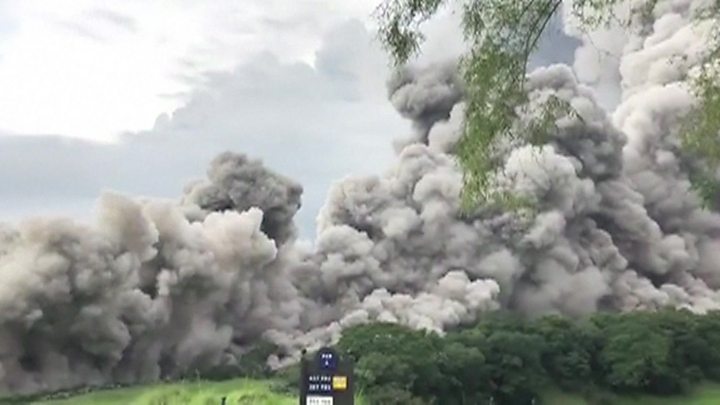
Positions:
{"x": 317, "y": 400}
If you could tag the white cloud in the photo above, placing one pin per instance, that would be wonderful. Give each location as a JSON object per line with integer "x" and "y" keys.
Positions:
{"x": 126, "y": 62}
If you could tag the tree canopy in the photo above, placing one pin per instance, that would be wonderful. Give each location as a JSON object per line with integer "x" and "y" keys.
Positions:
{"x": 503, "y": 360}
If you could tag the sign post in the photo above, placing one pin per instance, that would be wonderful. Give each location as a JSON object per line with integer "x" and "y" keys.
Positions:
{"x": 326, "y": 379}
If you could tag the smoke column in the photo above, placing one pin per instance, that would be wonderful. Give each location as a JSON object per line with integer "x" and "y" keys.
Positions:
{"x": 154, "y": 288}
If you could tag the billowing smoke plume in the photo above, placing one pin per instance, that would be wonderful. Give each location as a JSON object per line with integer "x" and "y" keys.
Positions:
{"x": 425, "y": 96}
{"x": 156, "y": 289}
{"x": 238, "y": 183}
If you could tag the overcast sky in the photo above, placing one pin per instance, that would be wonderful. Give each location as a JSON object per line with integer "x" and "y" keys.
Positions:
{"x": 138, "y": 96}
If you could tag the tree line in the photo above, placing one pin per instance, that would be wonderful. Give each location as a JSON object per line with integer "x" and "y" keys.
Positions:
{"x": 504, "y": 359}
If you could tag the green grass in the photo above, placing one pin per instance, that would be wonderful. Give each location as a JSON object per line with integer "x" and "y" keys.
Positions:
{"x": 251, "y": 392}
{"x": 238, "y": 392}
{"x": 703, "y": 394}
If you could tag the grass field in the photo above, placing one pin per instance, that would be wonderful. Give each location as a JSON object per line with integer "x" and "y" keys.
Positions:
{"x": 247, "y": 392}
{"x": 238, "y": 391}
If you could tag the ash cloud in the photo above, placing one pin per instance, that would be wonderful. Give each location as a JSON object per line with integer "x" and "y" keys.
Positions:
{"x": 425, "y": 95}
{"x": 159, "y": 288}
{"x": 238, "y": 183}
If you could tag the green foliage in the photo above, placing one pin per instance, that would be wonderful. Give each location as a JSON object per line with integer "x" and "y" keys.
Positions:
{"x": 502, "y": 35}
{"x": 393, "y": 353}
{"x": 570, "y": 350}
{"x": 705, "y": 348}
{"x": 512, "y": 360}
{"x": 659, "y": 353}
{"x": 287, "y": 379}
{"x": 460, "y": 364}
{"x": 386, "y": 338}
{"x": 514, "y": 366}
{"x": 375, "y": 368}
{"x": 391, "y": 394}
{"x": 401, "y": 21}
{"x": 635, "y": 357}
{"x": 252, "y": 365}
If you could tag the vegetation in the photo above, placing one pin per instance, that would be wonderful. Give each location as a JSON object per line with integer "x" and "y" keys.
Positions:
{"x": 512, "y": 361}
{"x": 501, "y": 36}
{"x": 703, "y": 394}
{"x": 236, "y": 391}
